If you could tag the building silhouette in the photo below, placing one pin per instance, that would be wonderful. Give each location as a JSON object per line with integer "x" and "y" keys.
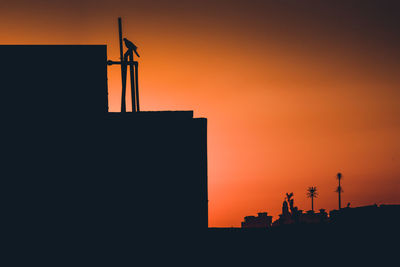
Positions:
{"x": 311, "y": 217}
{"x": 87, "y": 179}
{"x": 262, "y": 220}
{"x": 371, "y": 216}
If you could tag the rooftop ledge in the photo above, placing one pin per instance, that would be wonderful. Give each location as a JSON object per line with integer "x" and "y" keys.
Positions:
{"x": 169, "y": 114}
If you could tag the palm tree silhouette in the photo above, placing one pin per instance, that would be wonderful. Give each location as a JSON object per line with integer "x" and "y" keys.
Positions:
{"x": 312, "y": 193}
{"x": 339, "y": 189}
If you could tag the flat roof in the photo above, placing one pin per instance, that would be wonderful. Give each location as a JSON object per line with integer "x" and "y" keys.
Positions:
{"x": 168, "y": 114}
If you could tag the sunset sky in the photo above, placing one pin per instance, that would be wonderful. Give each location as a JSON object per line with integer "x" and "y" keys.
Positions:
{"x": 294, "y": 91}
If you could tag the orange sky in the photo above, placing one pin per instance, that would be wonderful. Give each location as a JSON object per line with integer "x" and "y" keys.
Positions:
{"x": 293, "y": 92}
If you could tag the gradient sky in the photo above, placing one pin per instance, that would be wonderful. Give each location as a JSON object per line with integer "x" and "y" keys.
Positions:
{"x": 294, "y": 91}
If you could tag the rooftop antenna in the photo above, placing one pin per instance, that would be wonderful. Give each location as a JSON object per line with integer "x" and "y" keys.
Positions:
{"x": 125, "y": 60}
{"x": 123, "y": 67}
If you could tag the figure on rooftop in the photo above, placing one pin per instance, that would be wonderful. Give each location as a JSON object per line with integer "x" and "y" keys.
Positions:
{"x": 131, "y": 47}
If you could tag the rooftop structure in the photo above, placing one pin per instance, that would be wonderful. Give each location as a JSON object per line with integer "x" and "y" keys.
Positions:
{"x": 262, "y": 220}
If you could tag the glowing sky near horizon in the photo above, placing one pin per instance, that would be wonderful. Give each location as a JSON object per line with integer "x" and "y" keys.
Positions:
{"x": 293, "y": 92}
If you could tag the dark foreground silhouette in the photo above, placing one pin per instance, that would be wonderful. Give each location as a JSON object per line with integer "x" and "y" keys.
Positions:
{"x": 86, "y": 182}
{"x": 82, "y": 186}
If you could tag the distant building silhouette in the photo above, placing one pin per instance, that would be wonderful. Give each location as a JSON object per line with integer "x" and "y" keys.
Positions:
{"x": 262, "y": 220}
{"x": 372, "y": 216}
{"x": 311, "y": 217}
{"x": 296, "y": 216}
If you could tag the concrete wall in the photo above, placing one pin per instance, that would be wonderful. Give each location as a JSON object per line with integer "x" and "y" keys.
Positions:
{"x": 54, "y": 79}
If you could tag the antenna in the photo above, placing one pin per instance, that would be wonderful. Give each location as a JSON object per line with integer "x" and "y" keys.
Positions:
{"x": 137, "y": 86}
{"x": 123, "y": 68}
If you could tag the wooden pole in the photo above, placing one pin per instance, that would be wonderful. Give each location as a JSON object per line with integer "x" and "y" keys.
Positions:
{"x": 137, "y": 86}
{"x": 123, "y": 68}
{"x": 132, "y": 82}
{"x": 340, "y": 189}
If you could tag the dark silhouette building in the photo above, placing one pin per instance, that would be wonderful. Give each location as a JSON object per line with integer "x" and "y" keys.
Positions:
{"x": 311, "y": 217}
{"x": 372, "y": 216}
{"x": 262, "y": 220}
{"x": 87, "y": 179}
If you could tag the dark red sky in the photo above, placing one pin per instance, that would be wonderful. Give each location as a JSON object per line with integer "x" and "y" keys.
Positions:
{"x": 294, "y": 91}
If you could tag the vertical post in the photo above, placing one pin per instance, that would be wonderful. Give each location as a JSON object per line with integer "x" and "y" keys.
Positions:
{"x": 312, "y": 204}
{"x": 132, "y": 81}
{"x": 137, "y": 85}
{"x": 123, "y": 67}
{"x": 340, "y": 189}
